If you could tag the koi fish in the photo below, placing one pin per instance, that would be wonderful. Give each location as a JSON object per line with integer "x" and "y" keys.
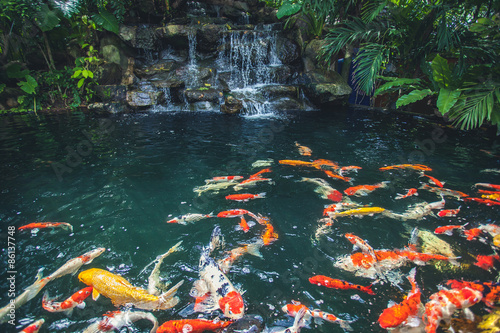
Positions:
{"x": 418, "y": 167}
{"x": 73, "y": 265}
{"x": 471, "y": 234}
{"x": 486, "y": 262}
{"x": 76, "y": 300}
{"x": 332, "y": 174}
{"x": 490, "y": 290}
{"x": 448, "y": 228}
{"x": 33, "y": 328}
{"x": 251, "y": 182}
{"x": 154, "y": 285}
{"x": 28, "y": 294}
{"x": 487, "y": 202}
{"x": 448, "y": 212}
{"x": 303, "y": 150}
{"x": 445, "y": 302}
{"x": 257, "y": 175}
{"x": 121, "y": 292}
{"x": 43, "y": 225}
{"x": 324, "y": 189}
{"x": 492, "y": 229}
{"x": 348, "y": 168}
{"x": 490, "y": 186}
{"x": 190, "y": 218}
{"x": 362, "y": 190}
{"x": 214, "y": 288}
{"x": 495, "y": 196}
{"x": 236, "y": 213}
{"x": 223, "y": 179}
{"x": 262, "y": 163}
{"x": 322, "y": 164}
{"x": 406, "y": 311}
{"x": 295, "y": 163}
{"x": 491, "y": 170}
{"x": 358, "y": 212}
{"x": 269, "y": 236}
{"x": 215, "y": 187}
{"x": 325, "y": 281}
{"x": 411, "y": 191}
{"x": 298, "y": 322}
{"x": 245, "y": 196}
{"x": 337, "y": 207}
{"x": 433, "y": 180}
{"x": 115, "y": 320}
{"x": 233, "y": 255}
{"x": 192, "y": 325}
{"x": 445, "y": 192}
{"x": 420, "y": 258}
{"x": 292, "y": 309}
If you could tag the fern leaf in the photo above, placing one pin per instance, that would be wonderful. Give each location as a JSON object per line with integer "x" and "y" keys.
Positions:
{"x": 368, "y": 64}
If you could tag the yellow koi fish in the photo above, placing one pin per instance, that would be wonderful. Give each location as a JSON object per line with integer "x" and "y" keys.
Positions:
{"x": 121, "y": 292}
{"x": 357, "y": 212}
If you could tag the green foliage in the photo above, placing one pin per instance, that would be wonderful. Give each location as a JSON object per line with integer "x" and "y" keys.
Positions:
{"x": 441, "y": 72}
{"x": 447, "y": 98}
{"x": 367, "y": 65}
{"x": 413, "y": 96}
{"x": 29, "y": 86}
{"x": 289, "y": 8}
{"x": 46, "y": 18}
{"x": 107, "y": 21}
{"x": 83, "y": 71}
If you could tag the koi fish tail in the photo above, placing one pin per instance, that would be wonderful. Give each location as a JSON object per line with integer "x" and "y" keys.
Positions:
{"x": 216, "y": 240}
{"x": 254, "y": 249}
{"x": 168, "y": 299}
{"x": 413, "y": 242}
{"x": 345, "y": 325}
{"x": 35, "y": 288}
{"x": 48, "y": 303}
{"x": 368, "y": 289}
{"x": 454, "y": 261}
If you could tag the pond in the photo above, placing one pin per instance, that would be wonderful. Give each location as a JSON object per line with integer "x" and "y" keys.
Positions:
{"x": 118, "y": 179}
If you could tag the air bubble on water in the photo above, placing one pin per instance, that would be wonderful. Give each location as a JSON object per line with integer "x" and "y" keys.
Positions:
{"x": 37, "y": 247}
{"x": 271, "y": 280}
{"x": 271, "y": 307}
{"x": 137, "y": 248}
{"x": 294, "y": 227}
{"x": 245, "y": 270}
{"x": 358, "y": 298}
{"x": 60, "y": 255}
{"x": 110, "y": 268}
{"x": 183, "y": 202}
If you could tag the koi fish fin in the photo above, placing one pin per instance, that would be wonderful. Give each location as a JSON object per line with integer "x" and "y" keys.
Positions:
{"x": 368, "y": 289}
{"x": 216, "y": 240}
{"x": 171, "y": 292}
{"x": 81, "y": 305}
{"x": 206, "y": 304}
{"x": 187, "y": 311}
{"x": 254, "y": 248}
{"x": 244, "y": 225}
{"x": 345, "y": 325}
{"x": 413, "y": 321}
{"x": 454, "y": 261}
{"x": 468, "y": 314}
{"x": 95, "y": 294}
{"x": 199, "y": 288}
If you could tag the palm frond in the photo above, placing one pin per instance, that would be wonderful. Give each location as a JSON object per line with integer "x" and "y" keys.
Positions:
{"x": 371, "y": 10}
{"x": 399, "y": 83}
{"x": 368, "y": 64}
{"x": 412, "y": 97}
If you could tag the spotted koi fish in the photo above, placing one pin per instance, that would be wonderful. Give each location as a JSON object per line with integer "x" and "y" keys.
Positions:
{"x": 303, "y": 150}
{"x": 76, "y": 300}
{"x": 115, "y": 320}
{"x": 293, "y": 309}
{"x": 411, "y": 192}
{"x": 34, "y": 328}
{"x": 325, "y": 281}
{"x": 193, "y": 325}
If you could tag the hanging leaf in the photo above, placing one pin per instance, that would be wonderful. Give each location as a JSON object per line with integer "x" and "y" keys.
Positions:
{"x": 412, "y": 97}
{"x": 46, "y": 18}
{"x": 107, "y": 21}
{"x": 29, "y": 85}
{"x": 447, "y": 99}
{"x": 287, "y": 9}
{"x": 441, "y": 72}
{"x": 395, "y": 84}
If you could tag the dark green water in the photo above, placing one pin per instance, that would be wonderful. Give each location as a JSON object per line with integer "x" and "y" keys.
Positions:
{"x": 118, "y": 179}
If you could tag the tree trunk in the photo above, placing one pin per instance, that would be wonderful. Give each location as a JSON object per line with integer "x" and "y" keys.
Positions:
{"x": 51, "y": 64}
{"x": 346, "y": 66}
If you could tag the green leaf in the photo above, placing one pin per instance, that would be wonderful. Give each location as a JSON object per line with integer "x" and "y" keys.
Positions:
{"x": 447, "y": 99}
{"x": 2, "y": 87}
{"x": 29, "y": 85}
{"x": 412, "y": 97}
{"x": 441, "y": 72}
{"x": 396, "y": 84}
{"x": 288, "y": 8}
{"x": 85, "y": 73}
{"x": 14, "y": 71}
{"x": 368, "y": 64}
{"x": 107, "y": 21}
{"x": 90, "y": 74}
{"x": 80, "y": 83}
{"x": 76, "y": 74}
{"x": 47, "y": 19}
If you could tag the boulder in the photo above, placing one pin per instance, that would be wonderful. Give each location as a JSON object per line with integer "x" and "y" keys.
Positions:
{"x": 138, "y": 98}
{"x": 114, "y": 50}
{"x": 141, "y": 37}
{"x": 288, "y": 51}
{"x": 208, "y": 37}
{"x": 231, "y": 105}
{"x": 275, "y": 91}
{"x": 109, "y": 74}
{"x": 160, "y": 67}
{"x": 325, "y": 90}
{"x": 111, "y": 93}
{"x": 108, "y": 107}
{"x": 202, "y": 95}
{"x": 175, "y": 35}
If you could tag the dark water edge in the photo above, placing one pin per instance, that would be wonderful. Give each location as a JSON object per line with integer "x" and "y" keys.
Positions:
{"x": 117, "y": 179}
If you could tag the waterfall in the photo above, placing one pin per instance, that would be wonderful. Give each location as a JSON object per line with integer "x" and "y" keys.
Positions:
{"x": 192, "y": 79}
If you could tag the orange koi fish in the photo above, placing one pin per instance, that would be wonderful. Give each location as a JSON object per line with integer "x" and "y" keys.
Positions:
{"x": 295, "y": 163}
{"x": 76, "y": 300}
{"x": 192, "y": 325}
{"x": 303, "y": 150}
{"x": 251, "y": 182}
{"x": 419, "y": 167}
{"x": 486, "y": 262}
{"x": 445, "y": 192}
{"x": 236, "y": 213}
{"x": 332, "y": 174}
{"x": 42, "y": 225}
{"x": 222, "y": 179}
{"x": 115, "y": 320}
{"x": 233, "y": 255}
{"x": 411, "y": 191}
{"x": 322, "y": 164}
{"x": 447, "y": 229}
{"x": 487, "y": 192}
{"x": 245, "y": 196}
{"x": 293, "y": 308}
{"x": 434, "y": 180}
{"x": 257, "y": 175}
{"x": 448, "y": 212}
{"x": 35, "y": 327}
{"x": 490, "y": 186}
{"x": 490, "y": 290}
{"x": 472, "y": 233}
{"x": 422, "y": 258}
{"x": 325, "y": 281}
{"x": 348, "y": 168}
{"x": 362, "y": 190}
{"x": 487, "y": 202}
{"x": 269, "y": 236}
{"x": 401, "y": 313}
{"x": 445, "y": 302}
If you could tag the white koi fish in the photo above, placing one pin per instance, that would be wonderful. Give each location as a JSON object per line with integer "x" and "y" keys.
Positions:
{"x": 73, "y": 265}
{"x": 117, "y": 319}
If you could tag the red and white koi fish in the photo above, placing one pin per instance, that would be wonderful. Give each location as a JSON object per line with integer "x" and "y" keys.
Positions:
{"x": 471, "y": 234}
{"x": 325, "y": 281}
{"x": 245, "y": 196}
{"x": 433, "y": 180}
{"x": 406, "y": 312}
{"x": 193, "y": 325}
{"x": 257, "y": 175}
{"x": 362, "y": 190}
{"x": 190, "y": 218}
{"x": 447, "y": 229}
{"x": 298, "y": 322}
{"x": 421, "y": 259}
{"x": 33, "y": 328}
{"x": 411, "y": 192}
{"x": 490, "y": 186}
{"x": 292, "y": 309}
{"x": 359, "y": 243}
{"x": 115, "y": 320}
{"x": 487, "y": 202}
{"x": 76, "y": 300}
{"x": 251, "y": 182}
{"x": 236, "y": 213}
{"x": 214, "y": 288}
{"x": 227, "y": 262}
{"x": 43, "y": 225}
{"x": 492, "y": 229}
{"x": 348, "y": 168}
{"x": 448, "y": 212}
{"x": 445, "y": 192}
{"x": 486, "y": 262}
{"x": 73, "y": 265}
{"x": 303, "y": 150}
{"x": 222, "y": 179}
{"x": 445, "y": 302}
{"x": 490, "y": 290}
